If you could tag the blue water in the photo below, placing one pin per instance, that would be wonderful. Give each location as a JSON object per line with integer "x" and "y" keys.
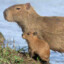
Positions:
{"x": 12, "y": 31}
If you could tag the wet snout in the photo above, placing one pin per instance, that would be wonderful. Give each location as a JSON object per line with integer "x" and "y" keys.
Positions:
{"x": 23, "y": 36}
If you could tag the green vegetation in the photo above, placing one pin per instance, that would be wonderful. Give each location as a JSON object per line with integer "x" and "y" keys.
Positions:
{"x": 10, "y": 56}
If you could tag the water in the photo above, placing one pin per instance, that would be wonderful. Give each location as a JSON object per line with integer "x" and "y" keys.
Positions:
{"x": 12, "y": 31}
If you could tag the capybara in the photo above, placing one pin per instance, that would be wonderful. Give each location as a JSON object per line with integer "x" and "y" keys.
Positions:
{"x": 37, "y": 46}
{"x": 49, "y": 28}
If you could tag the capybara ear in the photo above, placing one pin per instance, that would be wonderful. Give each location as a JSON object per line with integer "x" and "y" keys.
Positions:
{"x": 34, "y": 33}
{"x": 28, "y": 6}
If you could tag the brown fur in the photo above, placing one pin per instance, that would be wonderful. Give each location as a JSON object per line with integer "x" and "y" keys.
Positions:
{"x": 37, "y": 46}
{"x": 49, "y": 28}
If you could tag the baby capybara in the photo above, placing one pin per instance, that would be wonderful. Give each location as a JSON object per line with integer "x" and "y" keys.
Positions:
{"x": 37, "y": 46}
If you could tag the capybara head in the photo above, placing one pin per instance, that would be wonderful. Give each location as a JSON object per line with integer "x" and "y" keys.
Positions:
{"x": 29, "y": 35}
{"x": 18, "y": 12}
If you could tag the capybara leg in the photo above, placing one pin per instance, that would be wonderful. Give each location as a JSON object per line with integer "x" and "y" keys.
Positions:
{"x": 31, "y": 54}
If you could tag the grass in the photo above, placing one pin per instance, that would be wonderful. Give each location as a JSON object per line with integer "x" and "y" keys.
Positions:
{"x": 11, "y": 56}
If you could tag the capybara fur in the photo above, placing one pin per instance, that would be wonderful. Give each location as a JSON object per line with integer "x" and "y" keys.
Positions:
{"x": 51, "y": 29}
{"x": 37, "y": 46}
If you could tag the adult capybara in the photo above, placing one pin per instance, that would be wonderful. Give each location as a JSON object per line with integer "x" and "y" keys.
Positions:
{"x": 37, "y": 46}
{"x": 49, "y": 28}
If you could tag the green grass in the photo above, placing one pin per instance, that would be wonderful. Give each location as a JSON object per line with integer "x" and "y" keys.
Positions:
{"x": 10, "y": 56}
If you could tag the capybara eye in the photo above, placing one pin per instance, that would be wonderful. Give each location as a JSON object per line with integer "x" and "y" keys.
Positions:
{"x": 18, "y": 8}
{"x": 28, "y": 33}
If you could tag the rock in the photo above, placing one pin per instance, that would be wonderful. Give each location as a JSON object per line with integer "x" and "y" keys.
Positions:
{"x": 1, "y": 38}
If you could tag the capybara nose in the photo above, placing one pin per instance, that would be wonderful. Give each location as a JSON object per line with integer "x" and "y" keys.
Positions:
{"x": 22, "y": 35}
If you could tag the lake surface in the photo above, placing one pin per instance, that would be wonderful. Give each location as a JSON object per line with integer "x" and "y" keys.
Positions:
{"x": 12, "y": 31}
